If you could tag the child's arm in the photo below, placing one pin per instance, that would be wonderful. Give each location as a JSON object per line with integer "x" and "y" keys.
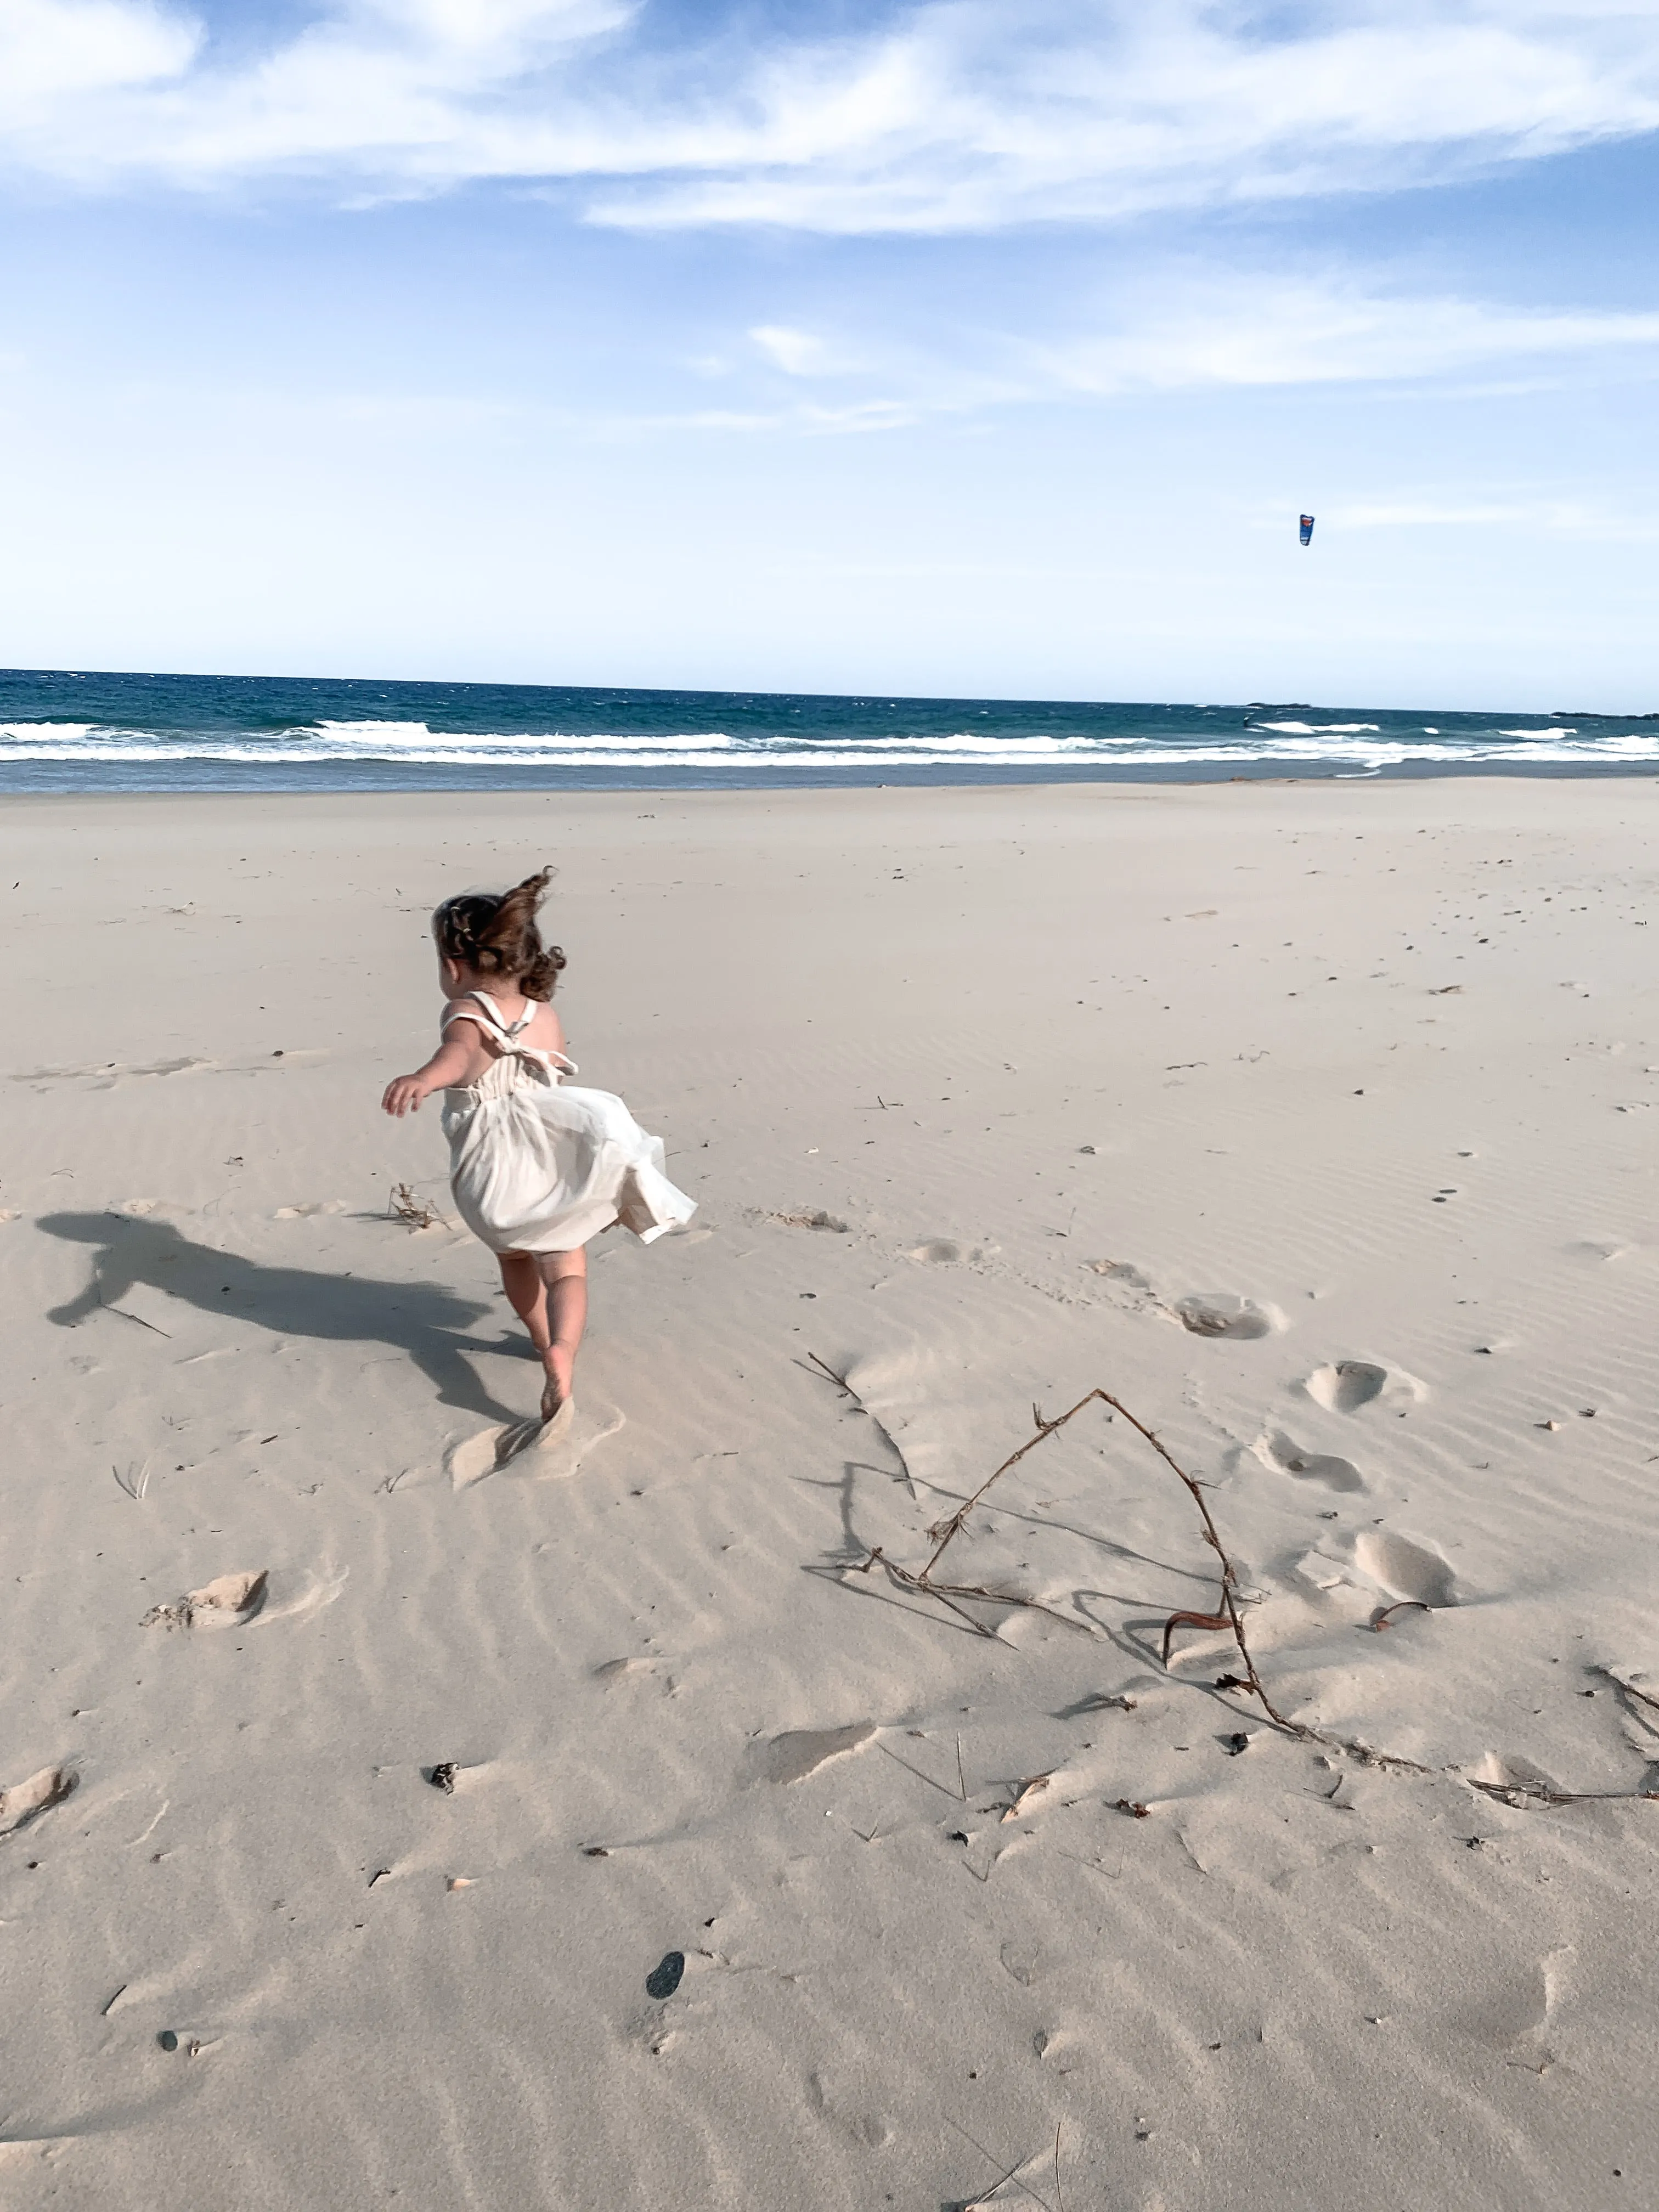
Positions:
{"x": 450, "y": 1065}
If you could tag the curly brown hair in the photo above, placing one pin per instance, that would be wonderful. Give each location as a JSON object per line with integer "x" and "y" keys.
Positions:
{"x": 496, "y": 933}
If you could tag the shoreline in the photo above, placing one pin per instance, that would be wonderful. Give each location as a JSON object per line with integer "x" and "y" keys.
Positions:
{"x": 919, "y": 786}
{"x": 466, "y": 782}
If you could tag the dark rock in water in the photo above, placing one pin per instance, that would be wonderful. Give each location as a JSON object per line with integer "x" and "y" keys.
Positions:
{"x": 442, "y": 1777}
{"x": 167, "y": 2039}
{"x": 663, "y": 1980}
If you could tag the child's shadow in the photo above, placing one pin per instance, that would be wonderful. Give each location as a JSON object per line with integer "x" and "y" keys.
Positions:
{"x": 423, "y": 1319}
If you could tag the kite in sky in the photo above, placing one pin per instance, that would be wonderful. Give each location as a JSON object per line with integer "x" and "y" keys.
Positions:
{"x": 1307, "y": 529}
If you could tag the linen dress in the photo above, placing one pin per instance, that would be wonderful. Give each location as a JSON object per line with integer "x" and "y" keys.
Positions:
{"x": 539, "y": 1165}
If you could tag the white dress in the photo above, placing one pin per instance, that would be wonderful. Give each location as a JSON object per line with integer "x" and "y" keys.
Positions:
{"x": 538, "y": 1166}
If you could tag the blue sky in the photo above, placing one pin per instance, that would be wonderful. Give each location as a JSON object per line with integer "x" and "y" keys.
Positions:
{"x": 973, "y": 348}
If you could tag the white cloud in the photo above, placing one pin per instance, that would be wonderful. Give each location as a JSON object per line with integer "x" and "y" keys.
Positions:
{"x": 56, "y": 50}
{"x": 1271, "y": 332}
{"x": 944, "y": 115}
{"x": 1186, "y": 328}
{"x": 797, "y": 353}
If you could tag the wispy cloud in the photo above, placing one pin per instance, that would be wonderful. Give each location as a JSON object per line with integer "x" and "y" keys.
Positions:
{"x": 949, "y": 115}
{"x": 1271, "y": 332}
{"x": 1566, "y": 518}
{"x": 1186, "y": 328}
{"x": 797, "y": 353}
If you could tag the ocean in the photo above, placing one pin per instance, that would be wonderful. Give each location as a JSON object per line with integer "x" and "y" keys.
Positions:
{"x": 61, "y": 731}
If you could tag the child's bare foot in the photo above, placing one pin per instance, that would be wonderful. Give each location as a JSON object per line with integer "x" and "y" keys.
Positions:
{"x": 560, "y": 1366}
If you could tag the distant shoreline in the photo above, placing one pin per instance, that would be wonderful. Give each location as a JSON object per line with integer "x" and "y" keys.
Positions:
{"x": 358, "y": 783}
{"x": 67, "y": 731}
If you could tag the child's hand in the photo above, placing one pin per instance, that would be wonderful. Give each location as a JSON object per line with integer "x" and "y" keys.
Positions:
{"x": 447, "y": 1065}
{"x": 404, "y": 1095}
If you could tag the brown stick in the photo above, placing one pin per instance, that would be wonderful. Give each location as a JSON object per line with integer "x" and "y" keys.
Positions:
{"x": 1385, "y": 1618}
{"x": 846, "y": 1388}
{"x": 1227, "y": 1614}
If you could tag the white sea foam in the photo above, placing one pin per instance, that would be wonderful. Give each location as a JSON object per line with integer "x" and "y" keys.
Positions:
{"x": 1351, "y": 747}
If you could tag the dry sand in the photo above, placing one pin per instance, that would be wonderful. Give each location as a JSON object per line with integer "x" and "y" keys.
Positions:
{"x": 977, "y": 1090}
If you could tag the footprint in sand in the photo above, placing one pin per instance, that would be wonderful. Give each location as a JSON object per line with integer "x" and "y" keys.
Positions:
{"x": 546, "y": 1450}
{"x": 245, "y": 1598}
{"x": 107, "y": 1076}
{"x": 816, "y": 1218}
{"x": 792, "y": 1757}
{"x": 227, "y": 1601}
{"x": 25, "y": 1799}
{"x": 945, "y": 1252}
{"x": 1286, "y": 1456}
{"x": 1347, "y": 1385}
{"x": 1220, "y": 1313}
{"x": 1406, "y": 1570}
{"x": 1515, "y": 2007}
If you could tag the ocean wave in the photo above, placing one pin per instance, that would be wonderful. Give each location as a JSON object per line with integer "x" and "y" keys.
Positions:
{"x": 1388, "y": 753}
{"x": 417, "y": 739}
{"x": 824, "y": 744}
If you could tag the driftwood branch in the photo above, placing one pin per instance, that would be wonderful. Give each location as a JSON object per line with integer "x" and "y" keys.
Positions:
{"x": 1229, "y": 1613}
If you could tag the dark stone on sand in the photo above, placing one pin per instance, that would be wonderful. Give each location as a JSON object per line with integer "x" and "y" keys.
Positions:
{"x": 442, "y": 1777}
{"x": 167, "y": 2039}
{"x": 664, "y": 1979}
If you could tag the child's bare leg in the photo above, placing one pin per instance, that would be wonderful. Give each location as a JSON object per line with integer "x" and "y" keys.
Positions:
{"x": 565, "y": 1275}
{"x": 521, "y": 1279}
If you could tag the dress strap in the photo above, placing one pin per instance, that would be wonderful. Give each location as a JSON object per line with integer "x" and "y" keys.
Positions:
{"x": 509, "y": 1028}
{"x": 491, "y": 1017}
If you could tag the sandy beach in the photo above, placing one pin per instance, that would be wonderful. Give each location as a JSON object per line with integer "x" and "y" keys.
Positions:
{"x": 1311, "y": 1122}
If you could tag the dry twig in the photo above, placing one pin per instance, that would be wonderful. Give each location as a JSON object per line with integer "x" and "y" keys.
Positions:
{"x": 942, "y": 1534}
{"x": 135, "y": 1481}
{"x": 105, "y": 1304}
{"x": 408, "y": 1206}
{"x": 885, "y": 1433}
{"x": 1384, "y": 1618}
{"x": 1229, "y": 1615}
{"x": 1023, "y": 1793}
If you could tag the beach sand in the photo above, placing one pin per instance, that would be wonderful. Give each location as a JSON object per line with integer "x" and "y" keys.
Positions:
{"x": 1315, "y": 1122}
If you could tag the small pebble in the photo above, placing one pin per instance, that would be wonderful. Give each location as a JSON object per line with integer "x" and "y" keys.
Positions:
{"x": 167, "y": 2039}
{"x": 664, "y": 1977}
{"x": 442, "y": 1777}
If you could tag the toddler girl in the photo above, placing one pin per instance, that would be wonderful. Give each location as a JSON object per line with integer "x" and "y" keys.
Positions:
{"x": 536, "y": 1167}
